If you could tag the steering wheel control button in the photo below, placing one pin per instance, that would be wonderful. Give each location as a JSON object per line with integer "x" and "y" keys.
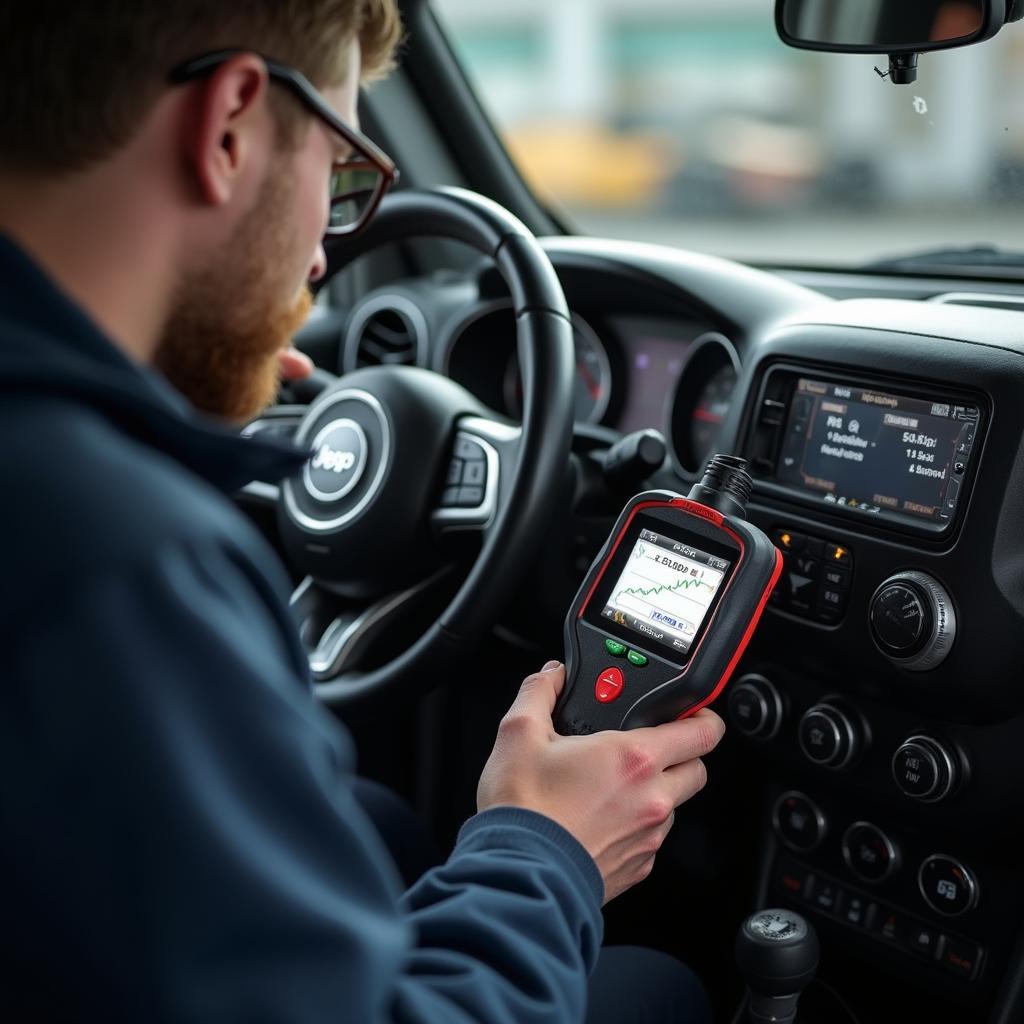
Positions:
{"x": 829, "y": 735}
{"x": 467, "y": 476}
{"x": 755, "y": 707}
{"x": 469, "y": 450}
{"x": 614, "y": 648}
{"x": 817, "y": 578}
{"x": 609, "y": 685}
{"x": 474, "y": 473}
{"x": 869, "y": 853}
{"x": 798, "y": 822}
{"x": 925, "y": 769}
{"x": 339, "y": 458}
{"x": 913, "y": 622}
{"x": 948, "y": 887}
{"x": 636, "y": 658}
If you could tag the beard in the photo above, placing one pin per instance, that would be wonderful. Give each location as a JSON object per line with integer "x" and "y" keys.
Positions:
{"x": 232, "y": 316}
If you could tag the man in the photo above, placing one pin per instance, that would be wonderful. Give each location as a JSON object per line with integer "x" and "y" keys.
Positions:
{"x": 181, "y": 840}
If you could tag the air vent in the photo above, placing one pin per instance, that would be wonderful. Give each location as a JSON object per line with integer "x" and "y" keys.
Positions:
{"x": 387, "y": 331}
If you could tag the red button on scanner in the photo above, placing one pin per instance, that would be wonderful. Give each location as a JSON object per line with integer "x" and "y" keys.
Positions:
{"x": 609, "y": 685}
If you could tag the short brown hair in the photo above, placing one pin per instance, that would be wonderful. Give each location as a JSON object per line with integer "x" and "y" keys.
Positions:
{"x": 77, "y": 79}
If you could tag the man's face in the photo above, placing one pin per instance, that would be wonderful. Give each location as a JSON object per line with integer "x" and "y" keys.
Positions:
{"x": 238, "y": 308}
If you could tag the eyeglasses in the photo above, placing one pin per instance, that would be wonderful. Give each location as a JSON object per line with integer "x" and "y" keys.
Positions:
{"x": 359, "y": 183}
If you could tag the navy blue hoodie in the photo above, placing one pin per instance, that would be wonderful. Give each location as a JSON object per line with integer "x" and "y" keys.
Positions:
{"x": 178, "y": 837}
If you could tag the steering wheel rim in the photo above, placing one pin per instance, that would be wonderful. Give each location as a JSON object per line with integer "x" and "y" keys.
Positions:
{"x": 545, "y": 344}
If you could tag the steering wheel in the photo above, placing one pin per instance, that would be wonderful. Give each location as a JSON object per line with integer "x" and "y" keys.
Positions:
{"x": 403, "y": 456}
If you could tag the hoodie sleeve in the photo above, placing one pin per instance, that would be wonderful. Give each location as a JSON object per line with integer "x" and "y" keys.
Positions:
{"x": 184, "y": 844}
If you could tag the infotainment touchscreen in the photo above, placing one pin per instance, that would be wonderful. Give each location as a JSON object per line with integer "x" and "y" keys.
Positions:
{"x": 877, "y": 452}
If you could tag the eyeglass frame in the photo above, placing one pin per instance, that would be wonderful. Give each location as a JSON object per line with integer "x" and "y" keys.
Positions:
{"x": 309, "y": 96}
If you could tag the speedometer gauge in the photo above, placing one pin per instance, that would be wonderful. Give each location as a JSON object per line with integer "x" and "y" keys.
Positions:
{"x": 593, "y": 377}
{"x": 709, "y": 412}
{"x": 702, "y": 400}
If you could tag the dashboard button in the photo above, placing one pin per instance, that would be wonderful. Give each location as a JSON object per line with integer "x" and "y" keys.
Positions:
{"x": 799, "y": 822}
{"x": 454, "y": 472}
{"x": 899, "y": 619}
{"x": 923, "y": 940}
{"x": 806, "y": 565}
{"x": 828, "y": 898}
{"x": 801, "y": 590}
{"x": 868, "y": 852}
{"x": 856, "y": 911}
{"x": 947, "y": 886}
{"x": 926, "y": 769}
{"x": 889, "y": 925}
{"x": 789, "y": 540}
{"x": 960, "y": 957}
{"x": 836, "y": 577}
{"x": 831, "y": 733}
{"x": 795, "y": 879}
{"x": 836, "y": 554}
{"x": 755, "y": 707}
{"x": 609, "y": 685}
{"x": 913, "y": 621}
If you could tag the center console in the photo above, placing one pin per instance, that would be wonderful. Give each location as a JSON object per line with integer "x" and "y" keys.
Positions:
{"x": 882, "y": 698}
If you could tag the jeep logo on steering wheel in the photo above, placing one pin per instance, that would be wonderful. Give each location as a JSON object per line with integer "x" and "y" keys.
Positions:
{"x": 336, "y": 461}
{"x": 339, "y": 460}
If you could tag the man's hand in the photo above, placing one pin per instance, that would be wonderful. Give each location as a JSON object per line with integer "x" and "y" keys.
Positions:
{"x": 616, "y": 792}
{"x": 293, "y": 365}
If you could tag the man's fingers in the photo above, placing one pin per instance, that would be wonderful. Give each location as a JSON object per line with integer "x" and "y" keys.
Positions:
{"x": 682, "y": 740}
{"x": 293, "y": 364}
{"x": 539, "y": 693}
{"x": 684, "y": 781}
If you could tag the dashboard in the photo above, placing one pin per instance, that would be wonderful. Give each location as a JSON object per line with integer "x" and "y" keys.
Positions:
{"x": 880, "y": 706}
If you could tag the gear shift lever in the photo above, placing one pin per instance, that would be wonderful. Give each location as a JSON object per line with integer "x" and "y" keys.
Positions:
{"x": 777, "y": 954}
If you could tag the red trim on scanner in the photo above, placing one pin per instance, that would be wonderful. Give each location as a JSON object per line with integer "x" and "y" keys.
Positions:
{"x": 749, "y": 632}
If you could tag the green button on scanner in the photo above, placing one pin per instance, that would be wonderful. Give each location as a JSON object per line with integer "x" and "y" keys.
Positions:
{"x": 636, "y": 659}
{"x": 615, "y": 648}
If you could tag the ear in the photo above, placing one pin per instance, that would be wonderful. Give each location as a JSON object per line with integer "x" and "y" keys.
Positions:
{"x": 227, "y": 126}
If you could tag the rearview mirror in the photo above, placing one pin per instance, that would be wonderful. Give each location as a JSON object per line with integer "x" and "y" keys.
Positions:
{"x": 900, "y": 28}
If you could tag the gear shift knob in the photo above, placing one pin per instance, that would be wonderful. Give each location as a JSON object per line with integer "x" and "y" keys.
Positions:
{"x": 777, "y": 954}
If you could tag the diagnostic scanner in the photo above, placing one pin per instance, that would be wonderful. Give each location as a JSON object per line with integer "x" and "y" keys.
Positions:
{"x": 668, "y": 606}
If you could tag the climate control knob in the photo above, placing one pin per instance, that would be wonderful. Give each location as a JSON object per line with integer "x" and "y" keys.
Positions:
{"x": 913, "y": 622}
{"x": 926, "y": 769}
{"x": 755, "y": 707}
{"x": 830, "y": 734}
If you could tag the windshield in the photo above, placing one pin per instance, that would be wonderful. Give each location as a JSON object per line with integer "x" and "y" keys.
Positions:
{"x": 688, "y": 122}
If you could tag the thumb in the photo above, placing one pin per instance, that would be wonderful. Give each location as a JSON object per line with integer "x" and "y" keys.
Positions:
{"x": 539, "y": 693}
{"x": 293, "y": 364}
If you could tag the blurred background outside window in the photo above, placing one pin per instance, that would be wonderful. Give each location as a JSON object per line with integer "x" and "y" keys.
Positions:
{"x": 688, "y": 122}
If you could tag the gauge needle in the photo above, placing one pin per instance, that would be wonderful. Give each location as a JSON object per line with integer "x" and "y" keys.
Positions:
{"x": 593, "y": 386}
{"x": 706, "y": 415}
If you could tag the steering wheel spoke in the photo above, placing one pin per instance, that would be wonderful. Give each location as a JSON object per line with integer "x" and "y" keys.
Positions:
{"x": 482, "y": 461}
{"x": 338, "y": 632}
